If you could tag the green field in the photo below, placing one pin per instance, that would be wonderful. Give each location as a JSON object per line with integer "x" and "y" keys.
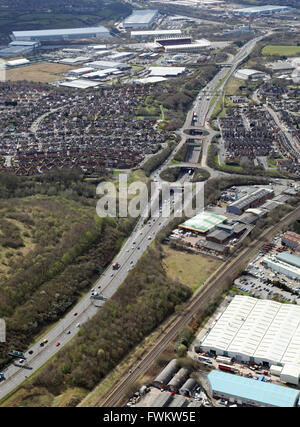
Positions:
{"x": 190, "y": 269}
{"x": 281, "y": 50}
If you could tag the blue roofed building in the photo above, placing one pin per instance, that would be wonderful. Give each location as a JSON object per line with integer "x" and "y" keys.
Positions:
{"x": 249, "y": 392}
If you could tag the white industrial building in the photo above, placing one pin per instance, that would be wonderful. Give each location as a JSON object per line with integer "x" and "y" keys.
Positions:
{"x": 79, "y": 84}
{"x": 73, "y": 61}
{"x": 119, "y": 56}
{"x": 62, "y": 34}
{"x": 166, "y": 71}
{"x": 154, "y": 33}
{"x": 249, "y": 74}
{"x": 284, "y": 263}
{"x": 102, "y": 65}
{"x": 254, "y": 330}
{"x": 197, "y": 46}
{"x": 80, "y": 71}
{"x": 144, "y": 18}
{"x": 260, "y": 10}
{"x": 153, "y": 79}
{"x": 17, "y": 62}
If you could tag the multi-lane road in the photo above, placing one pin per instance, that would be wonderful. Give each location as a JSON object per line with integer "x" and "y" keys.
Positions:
{"x": 130, "y": 253}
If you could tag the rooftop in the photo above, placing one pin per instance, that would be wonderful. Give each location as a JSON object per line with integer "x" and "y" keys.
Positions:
{"x": 203, "y": 222}
{"x": 246, "y": 200}
{"x": 264, "y": 8}
{"x": 247, "y": 388}
{"x": 61, "y": 31}
{"x": 166, "y": 71}
{"x": 141, "y": 16}
{"x": 289, "y": 259}
{"x": 262, "y": 329}
{"x": 249, "y": 71}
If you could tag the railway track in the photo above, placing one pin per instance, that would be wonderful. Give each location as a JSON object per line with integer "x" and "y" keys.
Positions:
{"x": 206, "y": 292}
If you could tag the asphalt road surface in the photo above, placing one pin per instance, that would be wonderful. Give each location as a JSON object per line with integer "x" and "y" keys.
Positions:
{"x": 128, "y": 256}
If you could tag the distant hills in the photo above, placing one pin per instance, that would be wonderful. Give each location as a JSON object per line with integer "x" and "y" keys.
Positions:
{"x": 48, "y": 14}
{"x": 291, "y": 3}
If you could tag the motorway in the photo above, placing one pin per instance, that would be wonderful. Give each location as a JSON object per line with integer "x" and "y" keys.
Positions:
{"x": 130, "y": 253}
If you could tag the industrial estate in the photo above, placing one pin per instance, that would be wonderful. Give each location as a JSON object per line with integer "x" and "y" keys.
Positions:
{"x": 157, "y": 310}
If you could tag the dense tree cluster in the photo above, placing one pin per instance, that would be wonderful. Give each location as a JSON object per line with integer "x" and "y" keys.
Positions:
{"x": 141, "y": 303}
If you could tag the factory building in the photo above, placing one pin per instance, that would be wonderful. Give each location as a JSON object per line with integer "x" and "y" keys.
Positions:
{"x": 17, "y": 62}
{"x": 8, "y": 52}
{"x": 291, "y": 240}
{"x": 249, "y": 74}
{"x": 141, "y": 19}
{"x": 155, "y": 33}
{"x": 250, "y": 201}
{"x": 203, "y": 222}
{"x": 167, "y": 71}
{"x": 17, "y": 48}
{"x": 119, "y": 56}
{"x": 102, "y": 65}
{"x": 173, "y": 41}
{"x": 249, "y": 392}
{"x": 260, "y": 10}
{"x": 62, "y": 34}
{"x": 284, "y": 263}
{"x": 264, "y": 332}
{"x": 197, "y": 46}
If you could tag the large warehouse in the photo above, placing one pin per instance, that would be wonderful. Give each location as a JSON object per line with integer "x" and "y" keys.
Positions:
{"x": 254, "y": 330}
{"x": 203, "y": 222}
{"x": 249, "y": 392}
{"x": 141, "y": 19}
{"x": 250, "y": 201}
{"x": 284, "y": 263}
{"x": 197, "y": 46}
{"x": 62, "y": 34}
{"x": 261, "y": 10}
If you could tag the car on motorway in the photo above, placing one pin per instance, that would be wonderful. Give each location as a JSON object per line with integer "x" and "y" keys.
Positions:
{"x": 21, "y": 360}
{"x": 112, "y": 275}
{"x": 78, "y": 325}
{"x": 99, "y": 286}
{"x": 75, "y": 314}
{"x": 30, "y": 351}
{"x": 57, "y": 344}
{"x": 149, "y": 238}
{"x": 131, "y": 262}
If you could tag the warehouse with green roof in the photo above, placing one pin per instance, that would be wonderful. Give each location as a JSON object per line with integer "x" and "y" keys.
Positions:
{"x": 203, "y": 222}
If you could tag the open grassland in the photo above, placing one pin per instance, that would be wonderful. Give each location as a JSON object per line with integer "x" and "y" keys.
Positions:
{"x": 42, "y": 72}
{"x": 281, "y": 50}
{"x": 190, "y": 269}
